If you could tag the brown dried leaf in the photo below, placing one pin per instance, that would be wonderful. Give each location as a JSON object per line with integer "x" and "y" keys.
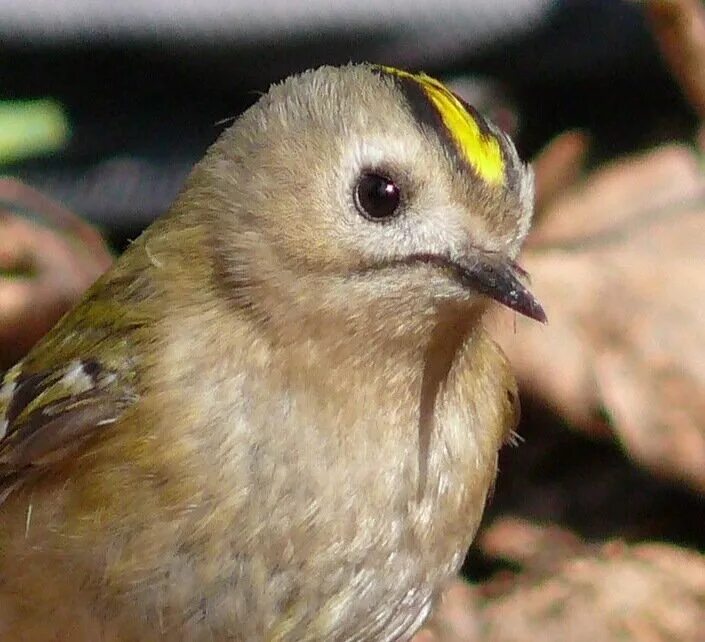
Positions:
{"x": 45, "y": 267}
{"x": 679, "y": 29}
{"x": 618, "y": 264}
{"x": 527, "y": 543}
{"x": 647, "y": 592}
{"x": 557, "y": 167}
{"x": 642, "y": 593}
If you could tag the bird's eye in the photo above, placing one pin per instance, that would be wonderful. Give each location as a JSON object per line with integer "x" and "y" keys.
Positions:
{"x": 377, "y": 197}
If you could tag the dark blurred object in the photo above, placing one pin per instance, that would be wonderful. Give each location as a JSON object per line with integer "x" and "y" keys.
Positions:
{"x": 587, "y": 486}
{"x": 48, "y": 258}
{"x": 145, "y": 88}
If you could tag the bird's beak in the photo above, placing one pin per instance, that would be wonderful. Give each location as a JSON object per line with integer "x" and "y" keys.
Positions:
{"x": 488, "y": 273}
{"x": 497, "y": 277}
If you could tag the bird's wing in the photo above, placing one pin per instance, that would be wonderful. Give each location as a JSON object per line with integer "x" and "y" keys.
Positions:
{"x": 46, "y": 415}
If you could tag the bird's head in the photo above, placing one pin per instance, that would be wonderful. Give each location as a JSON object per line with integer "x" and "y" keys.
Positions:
{"x": 369, "y": 197}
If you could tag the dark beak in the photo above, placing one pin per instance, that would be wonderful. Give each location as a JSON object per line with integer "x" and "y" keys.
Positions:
{"x": 497, "y": 277}
{"x": 488, "y": 273}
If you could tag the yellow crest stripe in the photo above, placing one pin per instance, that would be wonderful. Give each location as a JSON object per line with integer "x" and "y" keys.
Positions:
{"x": 481, "y": 150}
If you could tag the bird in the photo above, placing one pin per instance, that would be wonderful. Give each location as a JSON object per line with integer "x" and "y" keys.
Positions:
{"x": 277, "y": 416}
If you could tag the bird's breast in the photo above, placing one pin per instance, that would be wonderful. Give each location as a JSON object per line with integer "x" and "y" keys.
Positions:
{"x": 312, "y": 499}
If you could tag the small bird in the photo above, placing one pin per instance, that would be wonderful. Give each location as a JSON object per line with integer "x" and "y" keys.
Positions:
{"x": 277, "y": 416}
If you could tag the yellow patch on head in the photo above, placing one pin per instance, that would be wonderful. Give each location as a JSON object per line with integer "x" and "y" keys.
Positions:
{"x": 481, "y": 150}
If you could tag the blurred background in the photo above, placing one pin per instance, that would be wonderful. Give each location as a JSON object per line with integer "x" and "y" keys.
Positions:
{"x": 597, "y": 525}
{"x": 139, "y": 89}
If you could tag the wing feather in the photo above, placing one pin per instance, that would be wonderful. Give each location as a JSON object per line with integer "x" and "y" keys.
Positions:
{"x": 46, "y": 416}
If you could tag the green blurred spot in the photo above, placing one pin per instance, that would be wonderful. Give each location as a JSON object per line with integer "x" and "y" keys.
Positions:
{"x": 17, "y": 274}
{"x": 22, "y": 268}
{"x": 31, "y": 128}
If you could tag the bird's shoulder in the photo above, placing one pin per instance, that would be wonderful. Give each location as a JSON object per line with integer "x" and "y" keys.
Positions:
{"x": 75, "y": 383}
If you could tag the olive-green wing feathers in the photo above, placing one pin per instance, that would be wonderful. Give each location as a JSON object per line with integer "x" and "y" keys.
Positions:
{"x": 47, "y": 415}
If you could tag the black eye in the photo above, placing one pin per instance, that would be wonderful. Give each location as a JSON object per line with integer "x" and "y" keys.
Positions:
{"x": 377, "y": 197}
